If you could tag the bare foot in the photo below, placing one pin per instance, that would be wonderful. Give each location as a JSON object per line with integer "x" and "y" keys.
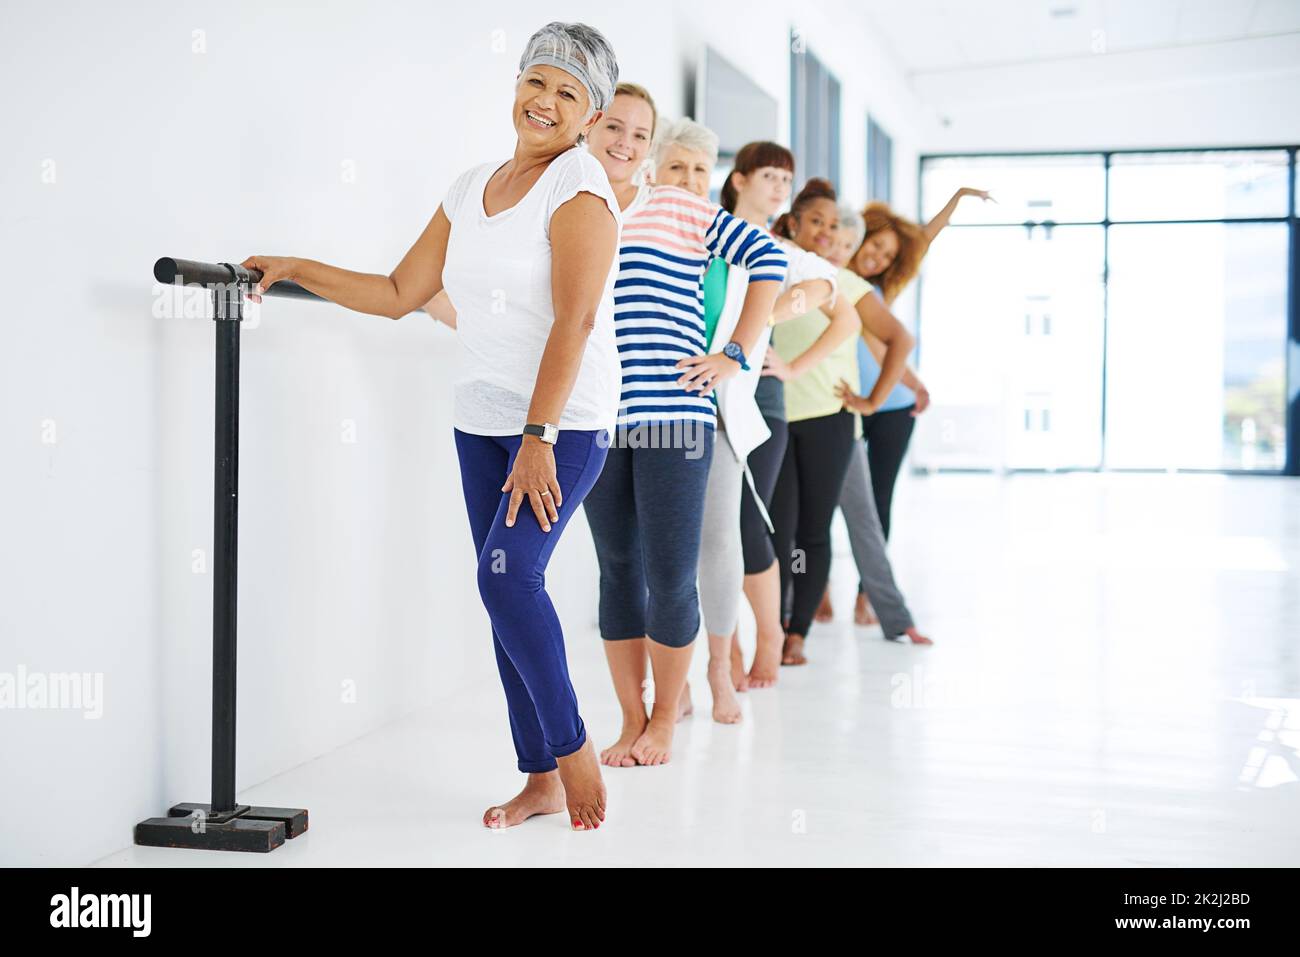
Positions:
{"x": 765, "y": 669}
{"x": 739, "y": 680}
{"x": 726, "y": 709}
{"x": 793, "y": 652}
{"x": 584, "y": 791}
{"x": 685, "y": 707}
{"x": 824, "y": 611}
{"x": 767, "y": 662}
{"x": 917, "y": 637}
{"x": 655, "y": 744}
{"x": 863, "y": 613}
{"x": 619, "y": 754}
{"x": 542, "y": 794}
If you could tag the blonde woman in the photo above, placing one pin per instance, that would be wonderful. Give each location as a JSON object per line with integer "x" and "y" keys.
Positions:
{"x": 646, "y": 510}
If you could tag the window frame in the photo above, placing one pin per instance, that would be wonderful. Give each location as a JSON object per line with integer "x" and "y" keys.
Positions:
{"x": 1291, "y": 345}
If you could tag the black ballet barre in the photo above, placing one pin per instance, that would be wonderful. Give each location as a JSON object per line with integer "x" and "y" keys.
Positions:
{"x": 187, "y": 272}
{"x": 223, "y": 825}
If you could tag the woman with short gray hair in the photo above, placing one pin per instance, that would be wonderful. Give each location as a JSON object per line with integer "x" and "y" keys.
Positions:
{"x": 645, "y": 511}
{"x": 684, "y": 154}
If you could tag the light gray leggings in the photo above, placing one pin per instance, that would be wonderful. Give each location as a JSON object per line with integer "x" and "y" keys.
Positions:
{"x": 722, "y": 565}
{"x": 868, "y": 543}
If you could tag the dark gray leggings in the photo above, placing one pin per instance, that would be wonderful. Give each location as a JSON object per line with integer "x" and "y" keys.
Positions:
{"x": 645, "y": 513}
{"x": 807, "y": 491}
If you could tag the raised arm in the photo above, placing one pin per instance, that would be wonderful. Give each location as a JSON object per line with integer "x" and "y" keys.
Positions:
{"x": 935, "y": 226}
{"x": 416, "y": 280}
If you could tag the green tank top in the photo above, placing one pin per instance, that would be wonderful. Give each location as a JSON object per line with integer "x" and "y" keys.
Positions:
{"x": 715, "y": 295}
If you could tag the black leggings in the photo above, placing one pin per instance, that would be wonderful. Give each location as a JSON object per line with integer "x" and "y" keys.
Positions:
{"x": 887, "y": 435}
{"x": 764, "y": 465}
{"x": 807, "y": 492}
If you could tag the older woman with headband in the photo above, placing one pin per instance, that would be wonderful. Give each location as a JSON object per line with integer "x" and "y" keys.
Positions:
{"x": 525, "y": 250}
{"x": 646, "y": 510}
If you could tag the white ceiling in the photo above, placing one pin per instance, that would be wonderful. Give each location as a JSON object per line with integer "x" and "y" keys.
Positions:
{"x": 929, "y": 36}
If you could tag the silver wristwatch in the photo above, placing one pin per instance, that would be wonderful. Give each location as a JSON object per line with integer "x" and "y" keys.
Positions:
{"x": 546, "y": 432}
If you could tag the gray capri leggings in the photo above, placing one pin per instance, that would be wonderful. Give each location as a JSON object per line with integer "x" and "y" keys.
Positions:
{"x": 645, "y": 515}
{"x": 868, "y": 542}
{"x": 722, "y": 564}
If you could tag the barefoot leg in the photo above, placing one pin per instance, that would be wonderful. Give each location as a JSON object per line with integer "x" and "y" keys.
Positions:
{"x": 685, "y": 708}
{"x": 627, "y": 666}
{"x": 793, "y": 653}
{"x": 764, "y": 593}
{"x": 824, "y": 610}
{"x": 739, "y": 679}
{"x": 917, "y": 637}
{"x": 863, "y": 613}
{"x": 584, "y": 791}
{"x": 669, "y": 666}
{"x": 542, "y": 794}
{"x": 726, "y": 709}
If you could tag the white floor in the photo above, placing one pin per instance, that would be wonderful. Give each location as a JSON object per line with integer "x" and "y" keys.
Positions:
{"x": 1115, "y": 681}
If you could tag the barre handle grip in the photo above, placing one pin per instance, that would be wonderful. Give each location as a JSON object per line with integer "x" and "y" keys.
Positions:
{"x": 188, "y": 272}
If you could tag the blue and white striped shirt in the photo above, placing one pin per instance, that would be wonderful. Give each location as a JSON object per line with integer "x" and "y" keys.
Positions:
{"x": 669, "y": 236}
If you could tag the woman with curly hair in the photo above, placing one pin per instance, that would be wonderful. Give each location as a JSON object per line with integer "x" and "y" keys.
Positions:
{"x": 889, "y": 257}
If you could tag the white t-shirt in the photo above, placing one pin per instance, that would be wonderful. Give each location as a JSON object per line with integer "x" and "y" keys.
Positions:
{"x": 497, "y": 274}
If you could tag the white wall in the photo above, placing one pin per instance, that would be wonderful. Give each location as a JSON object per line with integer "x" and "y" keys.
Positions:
{"x": 326, "y": 131}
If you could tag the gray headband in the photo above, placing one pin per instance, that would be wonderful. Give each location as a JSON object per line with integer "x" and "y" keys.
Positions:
{"x": 578, "y": 71}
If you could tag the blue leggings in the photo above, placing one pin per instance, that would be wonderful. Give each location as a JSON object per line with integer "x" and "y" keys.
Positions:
{"x": 526, "y": 632}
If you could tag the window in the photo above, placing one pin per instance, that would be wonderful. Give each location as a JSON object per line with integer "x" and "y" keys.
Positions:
{"x": 1057, "y": 189}
{"x": 1012, "y": 345}
{"x": 880, "y": 163}
{"x": 1195, "y": 354}
{"x": 733, "y": 106}
{"x": 1213, "y": 185}
{"x": 1117, "y": 310}
{"x": 814, "y": 116}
